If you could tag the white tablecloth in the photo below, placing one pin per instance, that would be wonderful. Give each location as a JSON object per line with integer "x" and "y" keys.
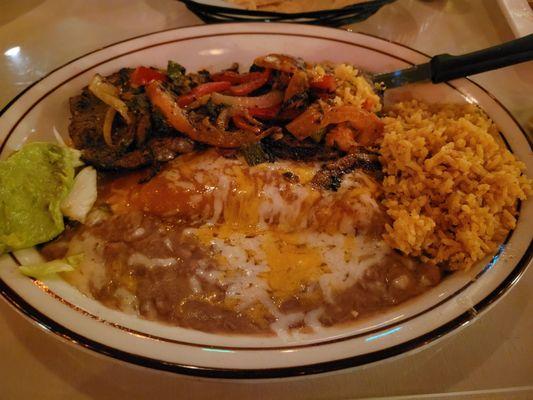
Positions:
{"x": 493, "y": 358}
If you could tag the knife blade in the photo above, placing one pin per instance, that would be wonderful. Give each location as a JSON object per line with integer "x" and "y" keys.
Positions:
{"x": 390, "y": 80}
{"x": 445, "y": 67}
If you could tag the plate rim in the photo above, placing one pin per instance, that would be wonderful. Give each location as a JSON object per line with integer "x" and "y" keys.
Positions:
{"x": 63, "y": 333}
{"x": 49, "y": 325}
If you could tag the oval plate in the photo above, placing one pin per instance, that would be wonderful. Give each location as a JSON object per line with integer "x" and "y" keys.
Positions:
{"x": 61, "y": 309}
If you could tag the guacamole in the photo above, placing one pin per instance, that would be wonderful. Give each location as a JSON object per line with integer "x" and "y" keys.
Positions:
{"x": 33, "y": 183}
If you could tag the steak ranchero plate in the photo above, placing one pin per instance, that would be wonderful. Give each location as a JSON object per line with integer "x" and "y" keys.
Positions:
{"x": 63, "y": 310}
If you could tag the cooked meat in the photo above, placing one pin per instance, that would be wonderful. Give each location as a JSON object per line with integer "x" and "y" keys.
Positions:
{"x": 108, "y": 159}
{"x": 86, "y": 124}
{"x": 155, "y": 150}
{"x": 329, "y": 177}
{"x": 166, "y": 149}
{"x": 132, "y": 160}
{"x": 148, "y": 139}
{"x": 121, "y": 78}
{"x": 143, "y": 127}
{"x": 87, "y": 119}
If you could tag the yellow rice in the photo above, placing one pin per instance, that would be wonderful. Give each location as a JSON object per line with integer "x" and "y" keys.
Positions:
{"x": 450, "y": 186}
{"x": 352, "y": 87}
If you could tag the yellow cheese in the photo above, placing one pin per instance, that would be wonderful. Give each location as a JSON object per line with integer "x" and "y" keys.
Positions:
{"x": 349, "y": 247}
{"x": 291, "y": 266}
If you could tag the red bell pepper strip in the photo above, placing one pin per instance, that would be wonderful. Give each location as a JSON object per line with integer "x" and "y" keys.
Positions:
{"x": 202, "y": 90}
{"x": 246, "y": 88}
{"x": 185, "y": 100}
{"x": 265, "y": 113}
{"x": 229, "y": 76}
{"x": 326, "y": 82}
{"x": 142, "y": 76}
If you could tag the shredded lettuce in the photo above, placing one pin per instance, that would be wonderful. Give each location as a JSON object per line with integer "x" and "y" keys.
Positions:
{"x": 82, "y": 196}
{"x": 74, "y": 156}
{"x": 50, "y": 268}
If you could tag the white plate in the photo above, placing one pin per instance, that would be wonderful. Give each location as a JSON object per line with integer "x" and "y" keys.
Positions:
{"x": 64, "y": 311}
{"x": 519, "y": 15}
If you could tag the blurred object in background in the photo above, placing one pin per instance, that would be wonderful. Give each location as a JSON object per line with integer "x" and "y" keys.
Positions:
{"x": 519, "y": 15}
{"x": 316, "y": 12}
{"x": 294, "y": 6}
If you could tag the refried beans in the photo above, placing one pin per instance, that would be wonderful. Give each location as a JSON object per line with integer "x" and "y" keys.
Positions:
{"x": 231, "y": 260}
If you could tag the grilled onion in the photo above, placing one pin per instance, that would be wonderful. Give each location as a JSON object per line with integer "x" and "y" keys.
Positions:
{"x": 109, "y": 95}
{"x": 108, "y": 125}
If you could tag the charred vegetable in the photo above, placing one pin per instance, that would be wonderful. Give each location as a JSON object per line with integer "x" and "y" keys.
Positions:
{"x": 281, "y": 108}
{"x": 255, "y": 153}
{"x": 203, "y": 130}
{"x": 330, "y": 176}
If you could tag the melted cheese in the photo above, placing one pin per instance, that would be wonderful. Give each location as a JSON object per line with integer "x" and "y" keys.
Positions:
{"x": 209, "y": 188}
{"x": 291, "y": 265}
{"x": 259, "y": 270}
{"x": 271, "y": 240}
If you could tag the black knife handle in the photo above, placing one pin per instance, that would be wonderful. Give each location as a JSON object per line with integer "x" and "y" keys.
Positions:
{"x": 445, "y": 67}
